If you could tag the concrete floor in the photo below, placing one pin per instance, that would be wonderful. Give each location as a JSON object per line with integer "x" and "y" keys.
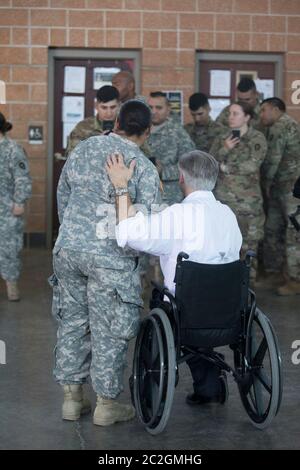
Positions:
{"x": 30, "y": 400}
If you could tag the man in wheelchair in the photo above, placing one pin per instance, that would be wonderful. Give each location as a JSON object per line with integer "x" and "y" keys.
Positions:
{"x": 200, "y": 226}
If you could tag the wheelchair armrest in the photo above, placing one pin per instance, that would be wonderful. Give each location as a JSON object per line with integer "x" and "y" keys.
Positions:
{"x": 161, "y": 289}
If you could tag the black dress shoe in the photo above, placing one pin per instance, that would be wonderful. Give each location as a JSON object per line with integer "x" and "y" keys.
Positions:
{"x": 194, "y": 399}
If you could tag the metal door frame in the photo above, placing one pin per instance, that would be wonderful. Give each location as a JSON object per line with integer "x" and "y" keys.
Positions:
{"x": 277, "y": 59}
{"x": 74, "y": 53}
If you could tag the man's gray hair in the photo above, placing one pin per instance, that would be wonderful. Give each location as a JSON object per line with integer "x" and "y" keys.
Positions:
{"x": 200, "y": 170}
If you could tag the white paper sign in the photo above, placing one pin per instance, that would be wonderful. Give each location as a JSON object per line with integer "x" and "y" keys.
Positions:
{"x": 217, "y": 106}
{"x": 265, "y": 88}
{"x": 67, "y": 129}
{"x": 103, "y": 76}
{"x": 220, "y": 82}
{"x": 2, "y": 92}
{"x": 73, "y": 109}
{"x": 74, "y": 80}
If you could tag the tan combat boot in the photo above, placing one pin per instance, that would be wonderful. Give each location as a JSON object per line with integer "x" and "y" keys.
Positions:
{"x": 290, "y": 288}
{"x": 74, "y": 404}
{"x": 13, "y": 293}
{"x": 109, "y": 411}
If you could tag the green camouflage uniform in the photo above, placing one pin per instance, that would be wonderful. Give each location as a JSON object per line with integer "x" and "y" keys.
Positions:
{"x": 254, "y": 122}
{"x": 279, "y": 171}
{"x": 167, "y": 142}
{"x": 96, "y": 284}
{"x": 15, "y": 187}
{"x": 203, "y": 136}
{"x": 89, "y": 127}
{"x": 238, "y": 184}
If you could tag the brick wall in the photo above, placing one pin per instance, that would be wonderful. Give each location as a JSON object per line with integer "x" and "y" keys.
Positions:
{"x": 168, "y": 32}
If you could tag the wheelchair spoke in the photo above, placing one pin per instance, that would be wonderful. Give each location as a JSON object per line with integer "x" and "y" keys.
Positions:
{"x": 262, "y": 377}
{"x": 260, "y": 353}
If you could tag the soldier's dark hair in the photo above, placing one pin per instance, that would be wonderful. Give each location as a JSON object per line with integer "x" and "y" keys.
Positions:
{"x": 5, "y": 126}
{"x": 246, "y": 84}
{"x": 159, "y": 94}
{"x": 107, "y": 93}
{"x": 276, "y": 103}
{"x": 248, "y": 110}
{"x": 198, "y": 100}
{"x": 134, "y": 117}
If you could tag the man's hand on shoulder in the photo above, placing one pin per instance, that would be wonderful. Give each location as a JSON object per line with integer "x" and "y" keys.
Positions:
{"x": 119, "y": 174}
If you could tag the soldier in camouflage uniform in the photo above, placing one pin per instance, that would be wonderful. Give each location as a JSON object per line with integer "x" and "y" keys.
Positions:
{"x": 96, "y": 284}
{"x": 167, "y": 142}
{"x": 203, "y": 130}
{"x": 281, "y": 166}
{"x": 246, "y": 92}
{"x": 107, "y": 106}
{"x": 238, "y": 184}
{"x": 15, "y": 189}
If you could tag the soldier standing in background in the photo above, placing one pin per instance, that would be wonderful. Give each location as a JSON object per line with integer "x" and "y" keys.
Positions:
{"x": 246, "y": 92}
{"x": 203, "y": 130}
{"x": 167, "y": 141}
{"x": 125, "y": 84}
{"x": 238, "y": 184}
{"x": 281, "y": 248}
{"x": 96, "y": 284}
{"x": 15, "y": 189}
{"x": 107, "y": 106}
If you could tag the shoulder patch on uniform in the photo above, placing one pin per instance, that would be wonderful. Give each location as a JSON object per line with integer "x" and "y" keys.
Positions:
{"x": 257, "y": 147}
{"x": 22, "y": 165}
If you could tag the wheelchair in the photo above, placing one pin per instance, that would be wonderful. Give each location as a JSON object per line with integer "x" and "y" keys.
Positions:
{"x": 213, "y": 306}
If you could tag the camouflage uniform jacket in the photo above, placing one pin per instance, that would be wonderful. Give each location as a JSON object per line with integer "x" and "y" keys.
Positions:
{"x": 86, "y": 197}
{"x": 254, "y": 122}
{"x": 167, "y": 142}
{"x": 238, "y": 183}
{"x": 203, "y": 136}
{"x": 15, "y": 180}
{"x": 89, "y": 127}
{"x": 282, "y": 163}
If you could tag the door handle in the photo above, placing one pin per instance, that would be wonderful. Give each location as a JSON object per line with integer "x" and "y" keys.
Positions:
{"x": 58, "y": 156}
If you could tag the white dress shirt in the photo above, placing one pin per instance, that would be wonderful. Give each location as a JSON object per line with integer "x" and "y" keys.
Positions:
{"x": 202, "y": 227}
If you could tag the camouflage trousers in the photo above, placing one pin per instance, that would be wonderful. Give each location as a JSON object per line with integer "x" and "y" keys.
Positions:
{"x": 96, "y": 301}
{"x": 172, "y": 193}
{"x": 11, "y": 234}
{"x": 281, "y": 247}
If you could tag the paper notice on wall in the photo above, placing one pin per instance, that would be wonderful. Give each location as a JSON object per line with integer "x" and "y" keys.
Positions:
{"x": 220, "y": 82}
{"x": 67, "y": 129}
{"x": 217, "y": 105}
{"x": 73, "y": 109}
{"x": 74, "y": 80}
{"x": 103, "y": 76}
{"x": 265, "y": 88}
{"x": 176, "y": 104}
{"x": 2, "y": 92}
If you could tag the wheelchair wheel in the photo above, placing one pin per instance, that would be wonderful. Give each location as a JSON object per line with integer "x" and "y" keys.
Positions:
{"x": 154, "y": 371}
{"x": 261, "y": 385}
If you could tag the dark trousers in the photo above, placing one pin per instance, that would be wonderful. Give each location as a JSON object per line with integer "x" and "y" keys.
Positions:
{"x": 205, "y": 376}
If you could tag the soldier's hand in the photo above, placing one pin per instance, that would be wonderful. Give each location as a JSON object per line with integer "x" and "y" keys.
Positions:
{"x": 117, "y": 171}
{"x": 18, "y": 209}
{"x": 230, "y": 143}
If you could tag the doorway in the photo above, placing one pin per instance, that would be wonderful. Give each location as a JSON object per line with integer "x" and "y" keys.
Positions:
{"x": 217, "y": 75}
{"x": 87, "y": 64}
